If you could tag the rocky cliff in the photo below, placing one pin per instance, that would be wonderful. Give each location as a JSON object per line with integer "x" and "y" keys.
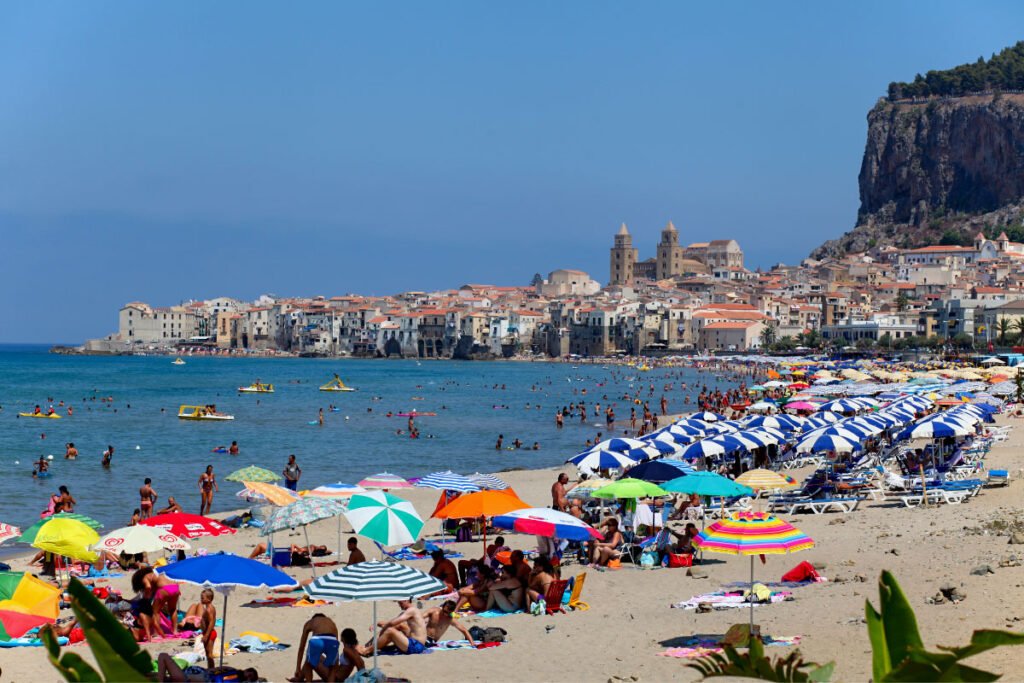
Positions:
{"x": 938, "y": 169}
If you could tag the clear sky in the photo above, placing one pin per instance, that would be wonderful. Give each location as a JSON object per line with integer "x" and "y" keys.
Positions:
{"x": 175, "y": 150}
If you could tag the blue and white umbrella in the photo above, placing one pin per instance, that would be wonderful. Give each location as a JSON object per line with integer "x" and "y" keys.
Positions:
{"x": 703, "y": 449}
{"x": 448, "y": 481}
{"x": 488, "y": 482}
{"x": 620, "y": 445}
{"x": 843, "y": 405}
{"x": 707, "y": 416}
{"x": 933, "y": 429}
{"x": 663, "y": 447}
{"x": 736, "y": 442}
{"x": 225, "y": 572}
{"x": 784, "y": 422}
{"x": 674, "y": 434}
{"x": 593, "y": 461}
{"x": 827, "y": 442}
{"x": 686, "y": 427}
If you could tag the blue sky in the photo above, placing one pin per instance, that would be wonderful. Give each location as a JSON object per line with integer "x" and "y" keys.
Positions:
{"x": 166, "y": 151}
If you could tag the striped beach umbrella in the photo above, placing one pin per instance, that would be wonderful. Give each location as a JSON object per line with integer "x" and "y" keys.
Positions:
{"x": 594, "y": 461}
{"x": 384, "y": 518}
{"x": 707, "y": 416}
{"x": 761, "y": 479}
{"x": 821, "y": 443}
{"x": 264, "y": 491}
{"x": 304, "y": 512}
{"x": 374, "y": 581}
{"x": 252, "y": 473}
{"x": 546, "y": 522}
{"x": 337, "y": 490}
{"x": 385, "y": 481}
{"x": 448, "y": 481}
{"x": 7, "y": 531}
{"x": 752, "y": 533}
{"x": 488, "y": 482}
{"x": 702, "y": 449}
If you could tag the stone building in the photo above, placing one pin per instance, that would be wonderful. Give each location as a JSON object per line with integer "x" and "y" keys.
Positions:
{"x": 669, "y": 261}
{"x": 623, "y": 259}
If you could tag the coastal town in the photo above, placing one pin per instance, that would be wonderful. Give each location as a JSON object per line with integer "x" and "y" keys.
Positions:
{"x": 685, "y": 299}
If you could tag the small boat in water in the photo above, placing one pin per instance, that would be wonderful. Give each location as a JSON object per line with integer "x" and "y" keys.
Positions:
{"x": 178, "y": 361}
{"x": 202, "y": 413}
{"x": 257, "y": 388}
{"x": 49, "y": 416}
{"x": 336, "y": 385}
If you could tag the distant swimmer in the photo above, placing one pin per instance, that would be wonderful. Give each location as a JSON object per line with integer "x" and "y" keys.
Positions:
{"x": 233, "y": 449}
{"x": 108, "y": 455}
{"x": 70, "y": 452}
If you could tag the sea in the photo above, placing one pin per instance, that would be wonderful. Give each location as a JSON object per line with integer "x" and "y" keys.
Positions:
{"x": 131, "y": 403}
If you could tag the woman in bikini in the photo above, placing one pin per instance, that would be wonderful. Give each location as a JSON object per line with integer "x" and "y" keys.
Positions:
{"x": 164, "y": 593}
{"x": 207, "y": 485}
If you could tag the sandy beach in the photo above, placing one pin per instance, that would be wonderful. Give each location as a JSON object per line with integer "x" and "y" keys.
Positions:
{"x": 630, "y": 620}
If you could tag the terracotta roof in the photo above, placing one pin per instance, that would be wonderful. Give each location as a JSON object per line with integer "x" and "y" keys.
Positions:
{"x": 730, "y": 325}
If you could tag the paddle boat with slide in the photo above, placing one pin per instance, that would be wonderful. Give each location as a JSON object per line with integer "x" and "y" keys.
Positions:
{"x": 257, "y": 388}
{"x": 336, "y": 385}
{"x": 178, "y": 361}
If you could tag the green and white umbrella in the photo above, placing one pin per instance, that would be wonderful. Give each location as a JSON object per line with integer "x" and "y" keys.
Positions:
{"x": 386, "y": 519}
{"x": 303, "y": 512}
{"x": 253, "y": 473}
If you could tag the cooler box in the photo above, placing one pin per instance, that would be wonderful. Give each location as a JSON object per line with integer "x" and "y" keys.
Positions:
{"x": 281, "y": 558}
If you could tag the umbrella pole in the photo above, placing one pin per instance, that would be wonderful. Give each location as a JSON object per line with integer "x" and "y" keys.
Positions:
{"x": 312, "y": 565}
{"x": 374, "y": 635}
{"x": 751, "y": 634}
{"x": 339, "y": 539}
{"x": 224, "y": 629}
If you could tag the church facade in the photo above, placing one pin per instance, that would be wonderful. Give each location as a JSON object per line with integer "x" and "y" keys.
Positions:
{"x": 671, "y": 259}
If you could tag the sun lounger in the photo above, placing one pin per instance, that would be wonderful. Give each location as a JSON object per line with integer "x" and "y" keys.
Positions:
{"x": 998, "y": 478}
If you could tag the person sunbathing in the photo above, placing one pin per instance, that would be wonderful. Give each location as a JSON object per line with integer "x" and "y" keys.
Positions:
{"x": 603, "y": 551}
{"x": 409, "y": 639}
{"x": 505, "y": 594}
{"x": 475, "y": 594}
{"x": 541, "y": 577}
{"x": 440, "y": 619}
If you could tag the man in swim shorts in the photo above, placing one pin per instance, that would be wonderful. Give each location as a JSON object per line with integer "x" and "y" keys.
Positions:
{"x": 321, "y": 634}
{"x": 394, "y": 631}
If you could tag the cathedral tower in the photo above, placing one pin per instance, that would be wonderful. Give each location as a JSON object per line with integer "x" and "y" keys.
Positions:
{"x": 669, "y": 261}
{"x": 623, "y": 259}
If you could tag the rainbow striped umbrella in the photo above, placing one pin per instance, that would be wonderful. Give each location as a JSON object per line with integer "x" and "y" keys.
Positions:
{"x": 752, "y": 533}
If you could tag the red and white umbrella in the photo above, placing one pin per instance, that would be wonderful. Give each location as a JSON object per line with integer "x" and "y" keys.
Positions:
{"x": 140, "y": 539}
{"x": 546, "y": 522}
{"x": 385, "y": 481}
{"x": 7, "y": 531}
{"x": 188, "y": 526}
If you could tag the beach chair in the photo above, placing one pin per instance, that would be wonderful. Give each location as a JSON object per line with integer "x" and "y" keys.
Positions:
{"x": 998, "y": 478}
{"x": 574, "y": 597}
{"x": 553, "y": 598}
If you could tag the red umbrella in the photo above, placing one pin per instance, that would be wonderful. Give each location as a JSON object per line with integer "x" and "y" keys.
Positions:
{"x": 16, "y": 624}
{"x": 188, "y": 526}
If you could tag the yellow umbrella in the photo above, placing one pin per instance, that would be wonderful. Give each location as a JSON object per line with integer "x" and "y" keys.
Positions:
{"x": 763, "y": 480}
{"x": 276, "y": 495}
{"x": 67, "y": 538}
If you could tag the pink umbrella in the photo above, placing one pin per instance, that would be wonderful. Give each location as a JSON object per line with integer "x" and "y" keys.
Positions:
{"x": 801, "y": 405}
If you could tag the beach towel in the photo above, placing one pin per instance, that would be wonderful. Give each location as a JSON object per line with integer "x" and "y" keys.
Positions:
{"x": 733, "y": 600}
{"x": 25, "y": 641}
{"x": 702, "y": 646}
{"x": 255, "y": 645}
{"x": 495, "y": 613}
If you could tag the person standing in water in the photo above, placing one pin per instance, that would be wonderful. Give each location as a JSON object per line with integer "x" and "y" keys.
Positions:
{"x": 207, "y": 485}
{"x": 108, "y": 455}
{"x": 320, "y": 417}
{"x": 291, "y": 473}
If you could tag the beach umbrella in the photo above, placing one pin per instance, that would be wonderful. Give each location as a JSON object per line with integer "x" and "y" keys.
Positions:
{"x": 265, "y": 491}
{"x": 252, "y": 473}
{"x": 621, "y": 445}
{"x": 337, "y": 490}
{"x": 761, "y": 479}
{"x": 705, "y": 448}
{"x": 546, "y": 522}
{"x": 16, "y": 624}
{"x": 448, "y": 481}
{"x": 993, "y": 361}
{"x": 26, "y": 594}
{"x": 752, "y": 533}
{"x": 373, "y": 581}
{"x": 7, "y": 532}
{"x": 774, "y": 384}
{"x": 384, "y": 518}
{"x": 710, "y": 484}
{"x": 933, "y": 429}
{"x": 482, "y": 504}
{"x": 67, "y": 538}
{"x": 488, "y": 482}
{"x": 827, "y": 442}
{"x": 786, "y": 423}
{"x": 187, "y": 525}
{"x": 687, "y": 428}
{"x": 28, "y": 535}
{"x": 302, "y": 513}
{"x": 801, "y": 406}
{"x": 658, "y": 471}
{"x": 385, "y": 481}
{"x": 224, "y": 573}
{"x": 594, "y": 461}
{"x": 132, "y": 540}
{"x": 660, "y": 446}
{"x": 630, "y": 488}
{"x": 707, "y": 416}
{"x": 762, "y": 407}
{"x": 586, "y": 488}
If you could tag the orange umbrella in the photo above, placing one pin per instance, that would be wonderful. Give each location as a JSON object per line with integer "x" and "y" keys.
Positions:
{"x": 482, "y": 504}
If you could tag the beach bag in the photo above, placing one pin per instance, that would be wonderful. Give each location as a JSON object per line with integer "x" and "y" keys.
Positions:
{"x": 680, "y": 560}
{"x": 464, "y": 534}
{"x": 488, "y": 635}
{"x": 648, "y": 560}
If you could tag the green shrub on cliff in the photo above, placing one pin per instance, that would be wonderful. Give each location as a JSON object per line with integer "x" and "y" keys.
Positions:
{"x": 1004, "y": 71}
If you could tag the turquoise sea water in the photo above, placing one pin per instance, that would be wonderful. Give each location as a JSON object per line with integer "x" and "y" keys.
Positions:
{"x": 357, "y": 441}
